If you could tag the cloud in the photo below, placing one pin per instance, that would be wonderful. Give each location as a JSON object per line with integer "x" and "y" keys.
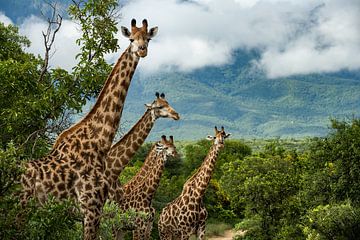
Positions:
{"x": 331, "y": 44}
{"x": 292, "y": 36}
{"x": 64, "y": 48}
{"x": 4, "y": 19}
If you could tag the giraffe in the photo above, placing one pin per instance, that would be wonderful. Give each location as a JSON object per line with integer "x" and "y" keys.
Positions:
{"x": 75, "y": 166}
{"x": 121, "y": 152}
{"x": 186, "y": 215}
{"x": 140, "y": 190}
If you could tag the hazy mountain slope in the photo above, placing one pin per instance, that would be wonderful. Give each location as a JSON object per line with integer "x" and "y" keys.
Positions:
{"x": 241, "y": 98}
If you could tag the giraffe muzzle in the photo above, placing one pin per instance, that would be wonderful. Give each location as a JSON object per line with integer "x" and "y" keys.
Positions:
{"x": 142, "y": 53}
{"x": 176, "y": 116}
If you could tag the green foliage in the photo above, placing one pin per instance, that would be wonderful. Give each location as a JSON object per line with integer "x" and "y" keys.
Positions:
{"x": 334, "y": 221}
{"x": 253, "y": 228}
{"x": 9, "y": 169}
{"x": 53, "y": 220}
{"x": 333, "y": 166}
{"x": 98, "y": 20}
{"x": 263, "y": 189}
{"x": 12, "y": 43}
{"x": 115, "y": 219}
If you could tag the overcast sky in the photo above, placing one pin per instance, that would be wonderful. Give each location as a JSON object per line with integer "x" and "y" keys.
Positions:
{"x": 293, "y": 36}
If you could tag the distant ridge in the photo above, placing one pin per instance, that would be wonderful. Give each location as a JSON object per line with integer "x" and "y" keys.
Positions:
{"x": 241, "y": 98}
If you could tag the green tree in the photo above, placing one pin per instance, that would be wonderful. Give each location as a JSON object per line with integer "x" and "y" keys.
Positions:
{"x": 36, "y": 103}
{"x": 334, "y": 167}
{"x": 333, "y": 221}
{"x": 263, "y": 189}
{"x": 98, "y": 20}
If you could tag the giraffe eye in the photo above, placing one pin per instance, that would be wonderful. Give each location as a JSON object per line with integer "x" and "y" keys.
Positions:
{"x": 131, "y": 40}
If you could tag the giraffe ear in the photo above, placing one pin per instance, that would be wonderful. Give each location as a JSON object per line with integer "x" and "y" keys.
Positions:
{"x": 227, "y": 135}
{"x": 152, "y": 32}
{"x": 163, "y": 137}
{"x": 144, "y": 23}
{"x": 125, "y": 32}
{"x": 210, "y": 138}
{"x": 133, "y": 22}
{"x": 148, "y": 105}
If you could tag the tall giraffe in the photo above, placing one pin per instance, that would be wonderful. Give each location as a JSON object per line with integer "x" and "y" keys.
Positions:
{"x": 186, "y": 215}
{"x": 121, "y": 152}
{"x": 140, "y": 190}
{"x": 75, "y": 166}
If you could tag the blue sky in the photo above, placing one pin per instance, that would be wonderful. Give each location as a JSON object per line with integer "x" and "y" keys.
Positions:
{"x": 292, "y": 36}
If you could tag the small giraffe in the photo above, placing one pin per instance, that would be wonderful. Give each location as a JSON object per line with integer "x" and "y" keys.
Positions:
{"x": 121, "y": 152}
{"x": 75, "y": 166}
{"x": 186, "y": 215}
{"x": 140, "y": 190}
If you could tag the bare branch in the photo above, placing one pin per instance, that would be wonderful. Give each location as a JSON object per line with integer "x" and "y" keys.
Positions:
{"x": 54, "y": 24}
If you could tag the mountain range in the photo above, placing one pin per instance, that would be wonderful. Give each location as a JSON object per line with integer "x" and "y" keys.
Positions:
{"x": 241, "y": 98}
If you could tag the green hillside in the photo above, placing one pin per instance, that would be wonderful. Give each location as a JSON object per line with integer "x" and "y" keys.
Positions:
{"x": 240, "y": 97}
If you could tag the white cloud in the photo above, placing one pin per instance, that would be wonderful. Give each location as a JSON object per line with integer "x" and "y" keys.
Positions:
{"x": 64, "y": 48}
{"x": 4, "y": 19}
{"x": 331, "y": 44}
{"x": 293, "y": 36}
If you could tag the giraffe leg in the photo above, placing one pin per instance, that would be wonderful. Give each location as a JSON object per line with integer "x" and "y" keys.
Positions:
{"x": 92, "y": 203}
{"x": 185, "y": 236}
{"x": 164, "y": 233}
{"x": 91, "y": 223}
{"x": 149, "y": 223}
{"x": 200, "y": 233}
{"x": 143, "y": 231}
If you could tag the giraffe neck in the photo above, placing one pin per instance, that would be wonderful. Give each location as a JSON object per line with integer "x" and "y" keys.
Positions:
{"x": 151, "y": 181}
{"x": 142, "y": 173}
{"x": 200, "y": 180}
{"x": 101, "y": 123}
{"x": 121, "y": 153}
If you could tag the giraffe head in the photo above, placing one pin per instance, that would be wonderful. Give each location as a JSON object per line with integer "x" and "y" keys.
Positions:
{"x": 219, "y": 137}
{"x": 161, "y": 108}
{"x": 166, "y": 147}
{"x": 139, "y": 37}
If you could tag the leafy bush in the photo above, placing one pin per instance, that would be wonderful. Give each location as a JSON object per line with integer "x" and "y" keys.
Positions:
{"x": 333, "y": 221}
{"x": 115, "y": 219}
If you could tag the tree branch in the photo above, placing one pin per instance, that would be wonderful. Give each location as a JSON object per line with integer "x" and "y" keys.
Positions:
{"x": 54, "y": 24}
